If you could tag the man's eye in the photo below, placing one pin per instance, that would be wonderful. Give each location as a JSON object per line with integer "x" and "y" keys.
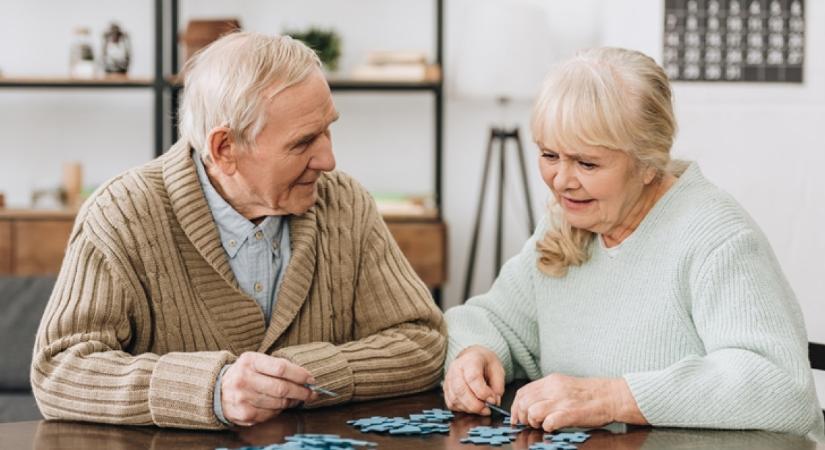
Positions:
{"x": 304, "y": 142}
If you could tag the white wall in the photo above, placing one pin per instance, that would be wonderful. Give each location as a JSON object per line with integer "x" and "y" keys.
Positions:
{"x": 761, "y": 142}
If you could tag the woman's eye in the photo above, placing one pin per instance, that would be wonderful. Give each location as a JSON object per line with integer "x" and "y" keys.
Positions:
{"x": 587, "y": 165}
{"x": 549, "y": 155}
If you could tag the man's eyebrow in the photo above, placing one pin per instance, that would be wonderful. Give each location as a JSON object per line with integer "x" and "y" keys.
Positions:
{"x": 310, "y": 135}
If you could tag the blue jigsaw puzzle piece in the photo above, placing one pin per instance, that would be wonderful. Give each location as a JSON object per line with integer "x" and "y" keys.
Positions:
{"x": 552, "y": 446}
{"x": 492, "y": 440}
{"x": 508, "y": 422}
{"x": 577, "y": 437}
{"x": 428, "y": 422}
{"x": 406, "y": 429}
{"x": 485, "y": 431}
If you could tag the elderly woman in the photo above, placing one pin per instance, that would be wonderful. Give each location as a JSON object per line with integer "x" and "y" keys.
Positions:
{"x": 648, "y": 295}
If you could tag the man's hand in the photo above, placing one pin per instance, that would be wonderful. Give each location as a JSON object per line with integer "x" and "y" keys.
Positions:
{"x": 474, "y": 377}
{"x": 258, "y": 387}
{"x": 559, "y": 401}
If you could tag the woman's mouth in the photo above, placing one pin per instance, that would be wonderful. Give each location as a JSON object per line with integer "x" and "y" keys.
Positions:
{"x": 573, "y": 204}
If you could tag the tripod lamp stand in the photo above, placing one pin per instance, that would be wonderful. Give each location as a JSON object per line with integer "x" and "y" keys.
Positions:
{"x": 500, "y": 136}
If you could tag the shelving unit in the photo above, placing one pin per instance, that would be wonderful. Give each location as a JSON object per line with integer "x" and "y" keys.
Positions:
{"x": 434, "y": 86}
{"x": 166, "y": 89}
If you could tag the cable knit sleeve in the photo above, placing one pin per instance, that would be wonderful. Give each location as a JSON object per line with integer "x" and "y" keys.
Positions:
{"x": 755, "y": 373}
{"x": 82, "y": 367}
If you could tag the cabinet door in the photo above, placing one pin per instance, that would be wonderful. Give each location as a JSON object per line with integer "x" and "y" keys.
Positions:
{"x": 40, "y": 246}
{"x": 424, "y": 245}
{"x": 5, "y": 247}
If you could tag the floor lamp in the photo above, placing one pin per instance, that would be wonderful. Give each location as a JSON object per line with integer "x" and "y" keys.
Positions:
{"x": 499, "y": 137}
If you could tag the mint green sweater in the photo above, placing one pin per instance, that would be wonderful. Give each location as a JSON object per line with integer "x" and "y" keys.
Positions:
{"x": 692, "y": 310}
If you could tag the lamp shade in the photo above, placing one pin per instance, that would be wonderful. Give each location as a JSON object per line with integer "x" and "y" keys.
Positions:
{"x": 504, "y": 48}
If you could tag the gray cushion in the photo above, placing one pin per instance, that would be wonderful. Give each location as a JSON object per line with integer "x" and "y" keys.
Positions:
{"x": 22, "y": 302}
{"x": 18, "y": 407}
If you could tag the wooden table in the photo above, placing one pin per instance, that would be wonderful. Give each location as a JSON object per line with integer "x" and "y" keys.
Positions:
{"x": 45, "y": 435}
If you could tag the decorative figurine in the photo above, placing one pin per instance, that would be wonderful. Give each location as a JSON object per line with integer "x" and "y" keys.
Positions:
{"x": 117, "y": 50}
{"x": 82, "y": 61}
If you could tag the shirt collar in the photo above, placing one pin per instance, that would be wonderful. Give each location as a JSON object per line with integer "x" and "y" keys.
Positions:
{"x": 233, "y": 228}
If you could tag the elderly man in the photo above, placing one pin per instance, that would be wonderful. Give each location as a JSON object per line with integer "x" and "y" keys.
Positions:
{"x": 214, "y": 284}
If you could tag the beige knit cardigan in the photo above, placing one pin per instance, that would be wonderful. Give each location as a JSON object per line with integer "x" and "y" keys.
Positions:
{"x": 146, "y": 310}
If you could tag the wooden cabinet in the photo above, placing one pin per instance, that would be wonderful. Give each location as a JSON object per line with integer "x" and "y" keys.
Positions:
{"x": 424, "y": 243}
{"x": 34, "y": 243}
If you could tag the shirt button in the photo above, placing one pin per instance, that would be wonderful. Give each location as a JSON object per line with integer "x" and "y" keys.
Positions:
{"x": 259, "y": 235}
{"x": 275, "y": 245}
{"x": 232, "y": 243}
{"x": 258, "y": 287}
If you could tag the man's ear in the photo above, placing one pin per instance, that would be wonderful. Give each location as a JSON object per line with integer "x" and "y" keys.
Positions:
{"x": 222, "y": 151}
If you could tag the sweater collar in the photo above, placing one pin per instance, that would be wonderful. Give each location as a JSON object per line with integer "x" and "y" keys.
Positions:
{"x": 192, "y": 212}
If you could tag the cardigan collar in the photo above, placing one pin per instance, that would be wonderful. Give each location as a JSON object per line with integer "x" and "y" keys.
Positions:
{"x": 192, "y": 212}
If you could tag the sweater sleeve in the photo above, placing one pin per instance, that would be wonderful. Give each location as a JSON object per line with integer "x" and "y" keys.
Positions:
{"x": 399, "y": 334}
{"x": 755, "y": 373}
{"x": 84, "y": 367}
{"x": 503, "y": 319}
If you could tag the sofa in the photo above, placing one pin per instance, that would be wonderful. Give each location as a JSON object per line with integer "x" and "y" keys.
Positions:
{"x": 22, "y": 302}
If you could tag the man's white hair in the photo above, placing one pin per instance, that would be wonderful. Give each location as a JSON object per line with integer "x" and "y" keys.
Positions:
{"x": 228, "y": 83}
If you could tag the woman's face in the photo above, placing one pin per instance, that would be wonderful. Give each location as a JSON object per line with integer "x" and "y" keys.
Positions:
{"x": 599, "y": 189}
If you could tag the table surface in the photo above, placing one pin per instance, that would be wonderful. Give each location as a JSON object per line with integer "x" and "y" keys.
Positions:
{"x": 43, "y": 435}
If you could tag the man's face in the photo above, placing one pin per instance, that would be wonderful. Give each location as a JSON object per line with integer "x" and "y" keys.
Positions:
{"x": 295, "y": 145}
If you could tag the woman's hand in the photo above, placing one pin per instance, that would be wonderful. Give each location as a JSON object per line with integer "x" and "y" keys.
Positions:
{"x": 559, "y": 401}
{"x": 474, "y": 377}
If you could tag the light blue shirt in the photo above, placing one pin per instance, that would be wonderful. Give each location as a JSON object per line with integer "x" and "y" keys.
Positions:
{"x": 258, "y": 254}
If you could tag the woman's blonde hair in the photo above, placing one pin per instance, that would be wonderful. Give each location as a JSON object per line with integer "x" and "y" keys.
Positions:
{"x": 604, "y": 97}
{"x": 225, "y": 83}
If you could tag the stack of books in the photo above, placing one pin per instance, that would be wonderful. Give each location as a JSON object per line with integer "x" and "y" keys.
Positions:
{"x": 394, "y": 66}
{"x": 393, "y": 205}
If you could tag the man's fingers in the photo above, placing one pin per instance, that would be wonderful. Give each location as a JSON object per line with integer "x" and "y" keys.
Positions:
{"x": 280, "y": 368}
{"x": 248, "y": 415}
{"x": 279, "y": 389}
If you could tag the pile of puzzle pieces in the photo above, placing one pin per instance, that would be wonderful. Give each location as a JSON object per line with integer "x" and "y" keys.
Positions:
{"x": 494, "y": 436}
{"x": 428, "y": 422}
{"x": 313, "y": 442}
{"x": 560, "y": 441}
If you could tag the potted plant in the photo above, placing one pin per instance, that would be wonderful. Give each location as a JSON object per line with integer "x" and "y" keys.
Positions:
{"x": 326, "y": 43}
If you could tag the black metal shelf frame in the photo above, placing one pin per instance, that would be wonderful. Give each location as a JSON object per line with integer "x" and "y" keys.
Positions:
{"x": 166, "y": 93}
{"x": 166, "y": 37}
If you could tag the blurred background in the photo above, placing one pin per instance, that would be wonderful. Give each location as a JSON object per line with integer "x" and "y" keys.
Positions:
{"x": 70, "y": 119}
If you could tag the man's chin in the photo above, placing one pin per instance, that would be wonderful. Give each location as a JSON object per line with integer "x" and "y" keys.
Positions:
{"x": 301, "y": 207}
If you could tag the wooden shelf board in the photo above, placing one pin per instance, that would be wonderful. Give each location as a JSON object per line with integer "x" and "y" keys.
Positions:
{"x": 349, "y": 84}
{"x": 37, "y": 214}
{"x": 67, "y": 82}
